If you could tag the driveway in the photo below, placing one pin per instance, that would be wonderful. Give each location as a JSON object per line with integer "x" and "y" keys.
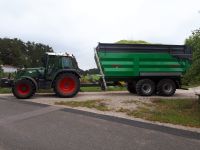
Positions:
{"x": 27, "y": 125}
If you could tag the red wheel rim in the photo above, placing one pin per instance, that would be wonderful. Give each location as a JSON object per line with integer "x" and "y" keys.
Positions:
{"x": 67, "y": 85}
{"x": 23, "y": 89}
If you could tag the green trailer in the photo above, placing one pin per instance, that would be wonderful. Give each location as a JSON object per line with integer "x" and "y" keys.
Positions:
{"x": 146, "y": 68}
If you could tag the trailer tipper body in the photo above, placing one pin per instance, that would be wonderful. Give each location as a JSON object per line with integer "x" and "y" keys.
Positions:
{"x": 147, "y": 68}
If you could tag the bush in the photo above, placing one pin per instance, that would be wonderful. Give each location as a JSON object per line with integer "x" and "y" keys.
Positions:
{"x": 193, "y": 74}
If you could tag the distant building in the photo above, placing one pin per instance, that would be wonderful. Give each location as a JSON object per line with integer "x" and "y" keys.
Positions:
{"x": 8, "y": 68}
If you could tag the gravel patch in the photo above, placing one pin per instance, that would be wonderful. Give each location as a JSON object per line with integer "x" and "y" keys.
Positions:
{"x": 116, "y": 98}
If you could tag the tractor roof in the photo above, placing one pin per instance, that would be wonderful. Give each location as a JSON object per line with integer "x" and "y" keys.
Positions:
{"x": 59, "y": 54}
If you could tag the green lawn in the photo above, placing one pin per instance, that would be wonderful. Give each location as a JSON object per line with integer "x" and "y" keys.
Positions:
{"x": 176, "y": 111}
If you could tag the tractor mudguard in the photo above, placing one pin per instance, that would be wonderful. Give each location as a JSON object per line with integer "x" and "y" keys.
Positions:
{"x": 29, "y": 78}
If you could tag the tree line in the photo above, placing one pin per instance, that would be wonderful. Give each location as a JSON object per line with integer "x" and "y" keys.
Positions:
{"x": 17, "y": 53}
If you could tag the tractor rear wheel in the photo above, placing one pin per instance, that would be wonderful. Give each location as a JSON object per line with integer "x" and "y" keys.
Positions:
{"x": 23, "y": 89}
{"x": 66, "y": 85}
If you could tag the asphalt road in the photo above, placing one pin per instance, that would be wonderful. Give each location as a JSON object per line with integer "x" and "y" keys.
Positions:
{"x": 29, "y": 126}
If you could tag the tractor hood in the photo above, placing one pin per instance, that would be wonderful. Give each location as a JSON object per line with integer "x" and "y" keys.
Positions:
{"x": 30, "y": 72}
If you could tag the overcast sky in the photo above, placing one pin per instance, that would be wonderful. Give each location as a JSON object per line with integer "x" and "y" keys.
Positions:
{"x": 76, "y": 26}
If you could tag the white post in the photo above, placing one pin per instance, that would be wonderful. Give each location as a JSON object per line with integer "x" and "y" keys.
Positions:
{"x": 100, "y": 69}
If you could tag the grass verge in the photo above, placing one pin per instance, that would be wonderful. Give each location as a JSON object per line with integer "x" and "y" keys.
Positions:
{"x": 177, "y": 111}
{"x": 5, "y": 90}
{"x": 97, "y": 104}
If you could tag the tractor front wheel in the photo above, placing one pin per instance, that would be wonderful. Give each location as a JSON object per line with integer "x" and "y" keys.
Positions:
{"x": 66, "y": 85}
{"x": 23, "y": 89}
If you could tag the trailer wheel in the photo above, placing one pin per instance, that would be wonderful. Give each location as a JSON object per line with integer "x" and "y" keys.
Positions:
{"x": 66, "y": 85}
{"x": 145, "y": 87}
{"x": 131, "y": 87}
{"x": 23, "y": 89}
{"x": 166, "y": 87}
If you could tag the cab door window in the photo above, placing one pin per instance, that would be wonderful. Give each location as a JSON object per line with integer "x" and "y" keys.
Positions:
{"x": 67, "y": 62}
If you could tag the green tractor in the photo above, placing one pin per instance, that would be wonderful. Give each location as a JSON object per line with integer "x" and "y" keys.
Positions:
{"x": 60, "y": 71}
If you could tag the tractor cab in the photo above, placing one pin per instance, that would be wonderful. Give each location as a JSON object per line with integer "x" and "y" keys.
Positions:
{"x": 61, "y": 60}
{"x": 54, "y": 62}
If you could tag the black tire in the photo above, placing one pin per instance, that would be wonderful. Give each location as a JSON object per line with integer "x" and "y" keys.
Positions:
{"x": 23, "y": 89}
{"x": 145, "y": 87}
{"x": 166, "y": 87}
{"x": 66, "y": 85}
{"x": 131, "y": 87}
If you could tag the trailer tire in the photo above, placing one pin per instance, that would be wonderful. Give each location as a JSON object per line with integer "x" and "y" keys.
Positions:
{"x": 23, "y": 89}
{"x": 131, "y": 87}
{"x": 66, "y": 85}
{"x": 145, "y": 87}
{"x": 166, "y": 87}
